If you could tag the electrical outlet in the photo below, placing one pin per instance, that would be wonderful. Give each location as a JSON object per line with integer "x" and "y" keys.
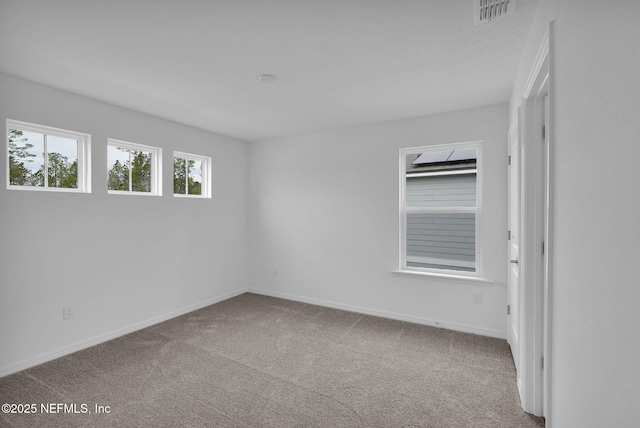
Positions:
{"x": 67, "y": 312}
{"x": 275, "y": 271}
{"x": 477, "y": 298}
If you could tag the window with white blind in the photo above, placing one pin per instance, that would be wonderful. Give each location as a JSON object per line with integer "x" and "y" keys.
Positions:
{"x": 440, "y": 209}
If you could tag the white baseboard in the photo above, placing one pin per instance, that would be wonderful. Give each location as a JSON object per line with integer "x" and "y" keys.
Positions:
{"x": 77, "y": 346}
{"x": 386, "y": 314}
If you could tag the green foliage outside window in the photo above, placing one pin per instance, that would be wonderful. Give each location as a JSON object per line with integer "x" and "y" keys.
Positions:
{"x": 136, "y": 169}
{"x": 179, "y": 176}
{"x": 187, "y": 176}
{"x": 60, "y": 171}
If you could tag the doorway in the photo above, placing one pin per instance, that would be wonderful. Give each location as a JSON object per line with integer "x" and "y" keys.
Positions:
{"x": 529, "y": 319}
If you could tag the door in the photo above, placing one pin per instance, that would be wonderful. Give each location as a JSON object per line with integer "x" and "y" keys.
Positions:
{"x": 545, "y": 257}
{"x": 513, "y": 310}
{"x": 531, "y": 245}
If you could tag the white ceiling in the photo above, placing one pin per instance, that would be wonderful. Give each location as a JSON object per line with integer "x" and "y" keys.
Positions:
{"x": 339, "y": 62}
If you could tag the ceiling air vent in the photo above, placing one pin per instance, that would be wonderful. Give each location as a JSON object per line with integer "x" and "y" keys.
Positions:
{"x": 487, "y": 10}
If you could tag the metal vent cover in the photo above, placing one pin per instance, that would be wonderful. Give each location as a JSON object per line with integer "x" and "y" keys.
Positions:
{"x": 487, "y": 10}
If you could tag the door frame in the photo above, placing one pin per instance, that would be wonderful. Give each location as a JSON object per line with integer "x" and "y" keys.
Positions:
{"x": 513, "y": 289}
{"x": 536, "y": 229}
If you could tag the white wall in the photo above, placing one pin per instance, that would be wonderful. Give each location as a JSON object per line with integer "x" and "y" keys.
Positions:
{"x": 596, "y": 149}
{"x": 324, "y": 213}
{"x": 121, "y": 261}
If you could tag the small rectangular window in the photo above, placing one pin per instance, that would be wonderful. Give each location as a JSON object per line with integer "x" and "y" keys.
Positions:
{"x": 44, "y": 158}
{"x": 440, "y": 209}
{"x": 133, "y": 168}
{"x": 191, "y": 175}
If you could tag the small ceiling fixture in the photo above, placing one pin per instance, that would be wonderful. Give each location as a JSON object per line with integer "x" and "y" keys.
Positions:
{"x": 267, "y": 78}
{"x": 486, "y": 10}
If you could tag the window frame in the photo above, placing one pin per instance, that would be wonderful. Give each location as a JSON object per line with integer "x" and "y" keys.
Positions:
{"x": 84, "y": 156}
{"x": 205, "y": 185}
{"x": 477, "y": 210}
{"x": 156, "y": 167}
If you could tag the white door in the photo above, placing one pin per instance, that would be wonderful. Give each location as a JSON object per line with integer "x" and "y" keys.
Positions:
{"x": 514, "y": 240}
{"x": 545, "y": 258}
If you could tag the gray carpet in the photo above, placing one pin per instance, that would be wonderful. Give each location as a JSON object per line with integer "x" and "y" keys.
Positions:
{"x": 256, "y": 361}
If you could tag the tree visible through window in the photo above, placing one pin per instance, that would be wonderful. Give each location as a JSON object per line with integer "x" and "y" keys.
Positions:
{"x": 45, "y": 158}
{"x": 187, "y": 176}
{"x": 28, "y": 158}
{"x": 132, "y": 167}
{"x": 190, "y": 175}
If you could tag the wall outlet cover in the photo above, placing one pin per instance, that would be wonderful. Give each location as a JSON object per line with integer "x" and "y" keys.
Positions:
{"x": 67, "y": 312}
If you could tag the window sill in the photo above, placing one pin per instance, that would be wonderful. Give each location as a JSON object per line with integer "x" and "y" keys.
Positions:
{"x": 180, "y": 195}
{"x": 131, "y": 193}
{"x": 446, "y": 277}
{"x": 47, "y": 189}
